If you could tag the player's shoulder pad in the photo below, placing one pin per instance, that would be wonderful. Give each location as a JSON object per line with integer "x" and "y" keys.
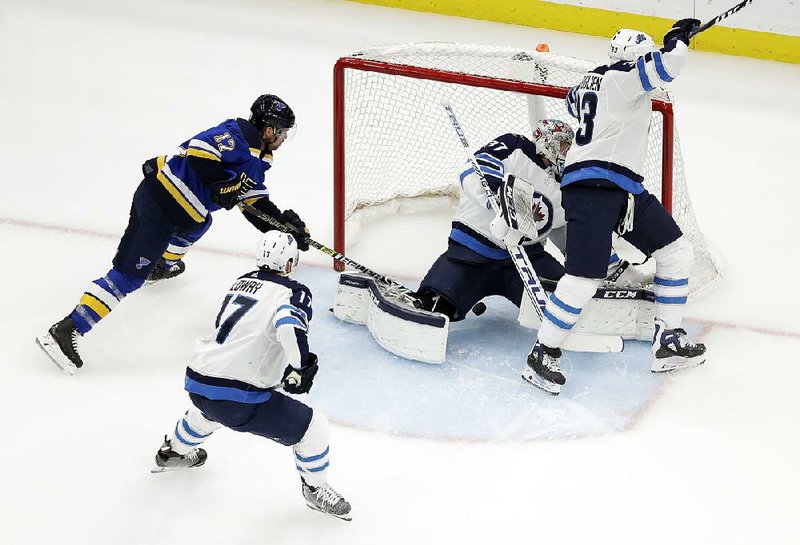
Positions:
{"x": 526, "y": 145}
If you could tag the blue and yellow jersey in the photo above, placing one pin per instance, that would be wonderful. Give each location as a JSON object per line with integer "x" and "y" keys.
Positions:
{"x": 229, "y": 150}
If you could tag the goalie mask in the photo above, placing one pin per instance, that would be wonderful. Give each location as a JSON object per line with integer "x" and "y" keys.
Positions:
{"x": 277, "y": 251}
{"x": 629, "y": 45}
{"x": 553, "y": 139}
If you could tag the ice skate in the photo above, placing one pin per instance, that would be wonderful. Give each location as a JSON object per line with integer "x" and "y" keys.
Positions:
{"x": 60, "y": 343}
{"x": 543, "y": 370}
{"x": 326, "y": 500}
{"x": 673, "y": 350}
{"x": 162, "y": 271}
{"x": 169, "y": 460}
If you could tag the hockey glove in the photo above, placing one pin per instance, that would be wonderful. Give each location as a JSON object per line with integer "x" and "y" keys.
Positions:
{"x": 225, "y": 193}
{"x": 681, "y": 30}
{"x": 500, "y": 229}
{"x": 299, "y": 381}
{"x": 290, "y": 217}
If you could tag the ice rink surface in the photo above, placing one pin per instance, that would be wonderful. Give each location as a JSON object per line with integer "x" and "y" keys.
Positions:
{"x": 461, "y": 453}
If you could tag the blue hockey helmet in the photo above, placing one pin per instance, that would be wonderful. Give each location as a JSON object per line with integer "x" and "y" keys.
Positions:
{"x": 271, "y": 111}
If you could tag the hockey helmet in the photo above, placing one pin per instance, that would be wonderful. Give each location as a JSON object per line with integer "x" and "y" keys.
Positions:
{"x": 629, "y": 45}
{"x": 271, "y": 111}
{"x": 277, "y": 251}
{"x": 553, "y": 139}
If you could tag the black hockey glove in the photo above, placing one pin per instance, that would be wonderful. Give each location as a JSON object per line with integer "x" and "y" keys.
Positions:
{"x": 290, "y": 217}
{"x": 681, "y": 30}
{"x": 225, "y": 193}
{"x": 299, "y": 381}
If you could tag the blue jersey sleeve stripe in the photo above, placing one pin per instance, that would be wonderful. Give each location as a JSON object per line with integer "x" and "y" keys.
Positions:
{"x": 292, "y": 321}
{"x": 660, "y": 68}
{"x": 292, "y": 308}
{"x": 489, "y": 159}
{"x": 643, "y": 78}
{"x": 464, "y": 175}
{"x": 572, "y": 100}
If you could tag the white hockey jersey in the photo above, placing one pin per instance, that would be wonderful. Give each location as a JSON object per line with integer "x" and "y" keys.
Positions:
{"x": 261, "y": 328}
{"x": 507, "y": 154}
{"x": 613, "y": 107}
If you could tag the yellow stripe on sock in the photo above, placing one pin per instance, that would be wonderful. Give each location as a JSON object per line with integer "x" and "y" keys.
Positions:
{"x": 99, "y": 307}
{"x": 171, "y": 256}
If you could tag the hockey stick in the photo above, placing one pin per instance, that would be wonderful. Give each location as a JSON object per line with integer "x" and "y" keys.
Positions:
{"x": 531, "y": 282}
{"x": 718, "y": 18}
{"x": 404, "y": 291}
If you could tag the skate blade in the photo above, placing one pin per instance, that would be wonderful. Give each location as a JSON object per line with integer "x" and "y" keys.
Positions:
{"x": 347, "y": 516}
{"x": 679, "y": 365}
{"x": 550, "y": 387}
{"x": 50, "y": 347}
{"x": 159, "y": 469}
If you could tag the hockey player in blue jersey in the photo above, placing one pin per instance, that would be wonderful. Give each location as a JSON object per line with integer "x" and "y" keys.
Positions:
{"x": 476, "y": 263}
{"x": 259, "y": 344}
{"x": 602, "y": 192}
{"x": 216, "y": 169}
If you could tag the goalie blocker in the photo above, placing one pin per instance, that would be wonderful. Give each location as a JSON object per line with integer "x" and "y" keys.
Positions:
{"x": 416, "y": 334}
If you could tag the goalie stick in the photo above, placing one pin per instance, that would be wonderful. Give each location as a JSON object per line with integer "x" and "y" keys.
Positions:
{"x": 531, "y": 282}
{"x": 720, "y": 17}
{"x": 401, "y": 289}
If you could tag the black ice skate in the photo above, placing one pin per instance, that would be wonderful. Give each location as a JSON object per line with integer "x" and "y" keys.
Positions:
{"x": 169, "y": 460}
{"x": 60, "y": 343}
{"x": 326, "y": 500}
{"x": 162, "y": 271}
{"x": 543, "y": 370}
{"x": 673, "y": 350}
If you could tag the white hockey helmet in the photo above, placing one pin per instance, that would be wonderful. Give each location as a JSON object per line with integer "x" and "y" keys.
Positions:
{"x": 553, "y": 139}
{"x": 629, "y": 45}
{"x": 278, "y": 252}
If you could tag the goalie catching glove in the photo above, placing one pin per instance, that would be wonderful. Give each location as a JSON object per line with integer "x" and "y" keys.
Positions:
{"x": 299, "y": 381}
{"x": 290, "y": 217}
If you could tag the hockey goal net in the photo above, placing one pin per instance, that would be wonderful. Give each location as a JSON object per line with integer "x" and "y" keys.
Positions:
{"x": 395, "y": 151}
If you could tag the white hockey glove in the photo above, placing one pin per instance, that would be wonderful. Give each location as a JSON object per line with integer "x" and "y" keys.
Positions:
{"x": 500, "y": 230}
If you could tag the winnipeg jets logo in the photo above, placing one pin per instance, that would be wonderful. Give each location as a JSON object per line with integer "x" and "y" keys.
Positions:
{"x": 542, "y": 209}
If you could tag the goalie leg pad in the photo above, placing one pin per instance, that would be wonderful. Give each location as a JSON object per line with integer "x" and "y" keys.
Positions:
{"x": 671, "y": 283}
{"x": 564, "y": 307}
{"x": 393, "y": 322}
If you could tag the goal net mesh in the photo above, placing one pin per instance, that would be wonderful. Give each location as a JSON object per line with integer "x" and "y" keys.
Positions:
{"x": 400, "y": 152}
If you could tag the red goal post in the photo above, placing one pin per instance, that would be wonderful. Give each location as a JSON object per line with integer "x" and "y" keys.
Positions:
{"x": 379, "y": 89}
